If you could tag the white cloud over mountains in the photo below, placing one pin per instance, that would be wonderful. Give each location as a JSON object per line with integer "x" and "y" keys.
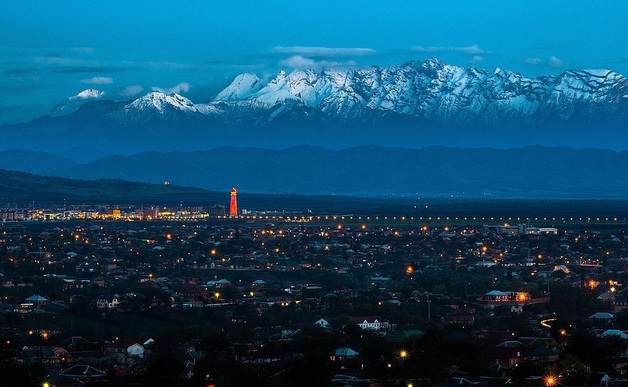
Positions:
{"x": 469, "y": 50}
{"x": 533, "y": 61}
{"x": 181, "y": 87}
{"x": 555, "y": 62}
{"x": 552, "y": 61}
{"x": 132, "y": 90}
{"x": 98, "y": 81}
{"x": 330, "y": 52}
{"x": 301, "y": 62}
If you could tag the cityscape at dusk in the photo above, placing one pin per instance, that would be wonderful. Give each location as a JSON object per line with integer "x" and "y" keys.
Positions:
{"x": 355, "y": 193}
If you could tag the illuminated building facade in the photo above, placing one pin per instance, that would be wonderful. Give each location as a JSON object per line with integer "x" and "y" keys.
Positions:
{"x": 496, "y": 297}
{"x": 233, "y": 205}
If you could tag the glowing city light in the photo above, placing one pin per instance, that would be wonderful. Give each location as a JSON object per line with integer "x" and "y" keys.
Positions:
{"x": 550, "y": 380}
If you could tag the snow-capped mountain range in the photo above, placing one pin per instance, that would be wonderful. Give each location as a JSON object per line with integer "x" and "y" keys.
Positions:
{"x": 429, "y": 90}
{"x": 411, "y": 104}
{"x": 435, "y": 91}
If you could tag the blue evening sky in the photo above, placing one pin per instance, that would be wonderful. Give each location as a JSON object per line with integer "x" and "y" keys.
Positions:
{"x": 51, "y": 50}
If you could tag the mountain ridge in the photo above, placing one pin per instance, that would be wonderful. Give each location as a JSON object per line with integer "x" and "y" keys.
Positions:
{"x": 376, "y": 171}
{"x": 413, "y": 104}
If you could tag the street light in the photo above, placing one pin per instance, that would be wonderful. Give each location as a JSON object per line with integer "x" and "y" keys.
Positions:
{"x": 550, "y": 380}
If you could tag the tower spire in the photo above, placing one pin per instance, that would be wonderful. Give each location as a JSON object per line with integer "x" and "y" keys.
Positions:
{"x": 233, "y": 205}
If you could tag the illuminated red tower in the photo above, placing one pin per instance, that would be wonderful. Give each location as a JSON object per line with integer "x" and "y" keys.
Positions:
{"x": 233, "y": 206}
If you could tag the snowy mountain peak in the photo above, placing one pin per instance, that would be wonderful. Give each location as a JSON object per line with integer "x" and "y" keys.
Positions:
{"x": 89, "y": 94}
{"x": 243, "y": 86}
{"x": 74, "y": 102}
{"x": 432, "y": 63}
{"x": 280, "y": 79}
{"x": 160, "y": 101}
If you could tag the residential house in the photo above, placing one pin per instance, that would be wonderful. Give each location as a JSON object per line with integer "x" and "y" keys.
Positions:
{"x": 465, "y": 320}
{"x": 322, "y": 323}
{"x": 108, "y": 302}
{"x": 37, "y": 301}
{"x": 371, "y": 323}
{"x": 131, "y": 348}
{"x": 506, "y": 356}
{"x": 136, "y": 350}
{"x": 344, "y": 353}
{"x": 47, "y": 354}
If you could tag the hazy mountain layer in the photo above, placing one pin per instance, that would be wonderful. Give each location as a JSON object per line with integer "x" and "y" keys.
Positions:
{"x": 531, "y": 172}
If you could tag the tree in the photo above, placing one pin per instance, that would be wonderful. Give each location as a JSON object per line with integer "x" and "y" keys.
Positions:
{"x": 586, "y": 348}
{"x": 164, "y": 371}
{"x": 312, "y": 370}
{"x": 21, "y": 375}
{"x": 572, "y": 371}
{"x": 622, "y": 319}
{"x": 571, "y": 302}
{"x": 525, "y": 369}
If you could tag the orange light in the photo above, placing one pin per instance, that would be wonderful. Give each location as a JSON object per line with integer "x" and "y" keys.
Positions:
{"x": 233, "y": 204}
{"x": 550, "y": 380}
{"x": 409, "y": 270}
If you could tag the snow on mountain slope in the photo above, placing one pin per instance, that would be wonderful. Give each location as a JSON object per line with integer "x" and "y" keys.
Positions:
{"x": 163, "y": 107}
{"x": 433, "y": 90}
{"x": 243, "y": 86}
{"x": 75, "y": 101}
{"x": 159, "y": 102}
{"x": 89, "y": 93}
